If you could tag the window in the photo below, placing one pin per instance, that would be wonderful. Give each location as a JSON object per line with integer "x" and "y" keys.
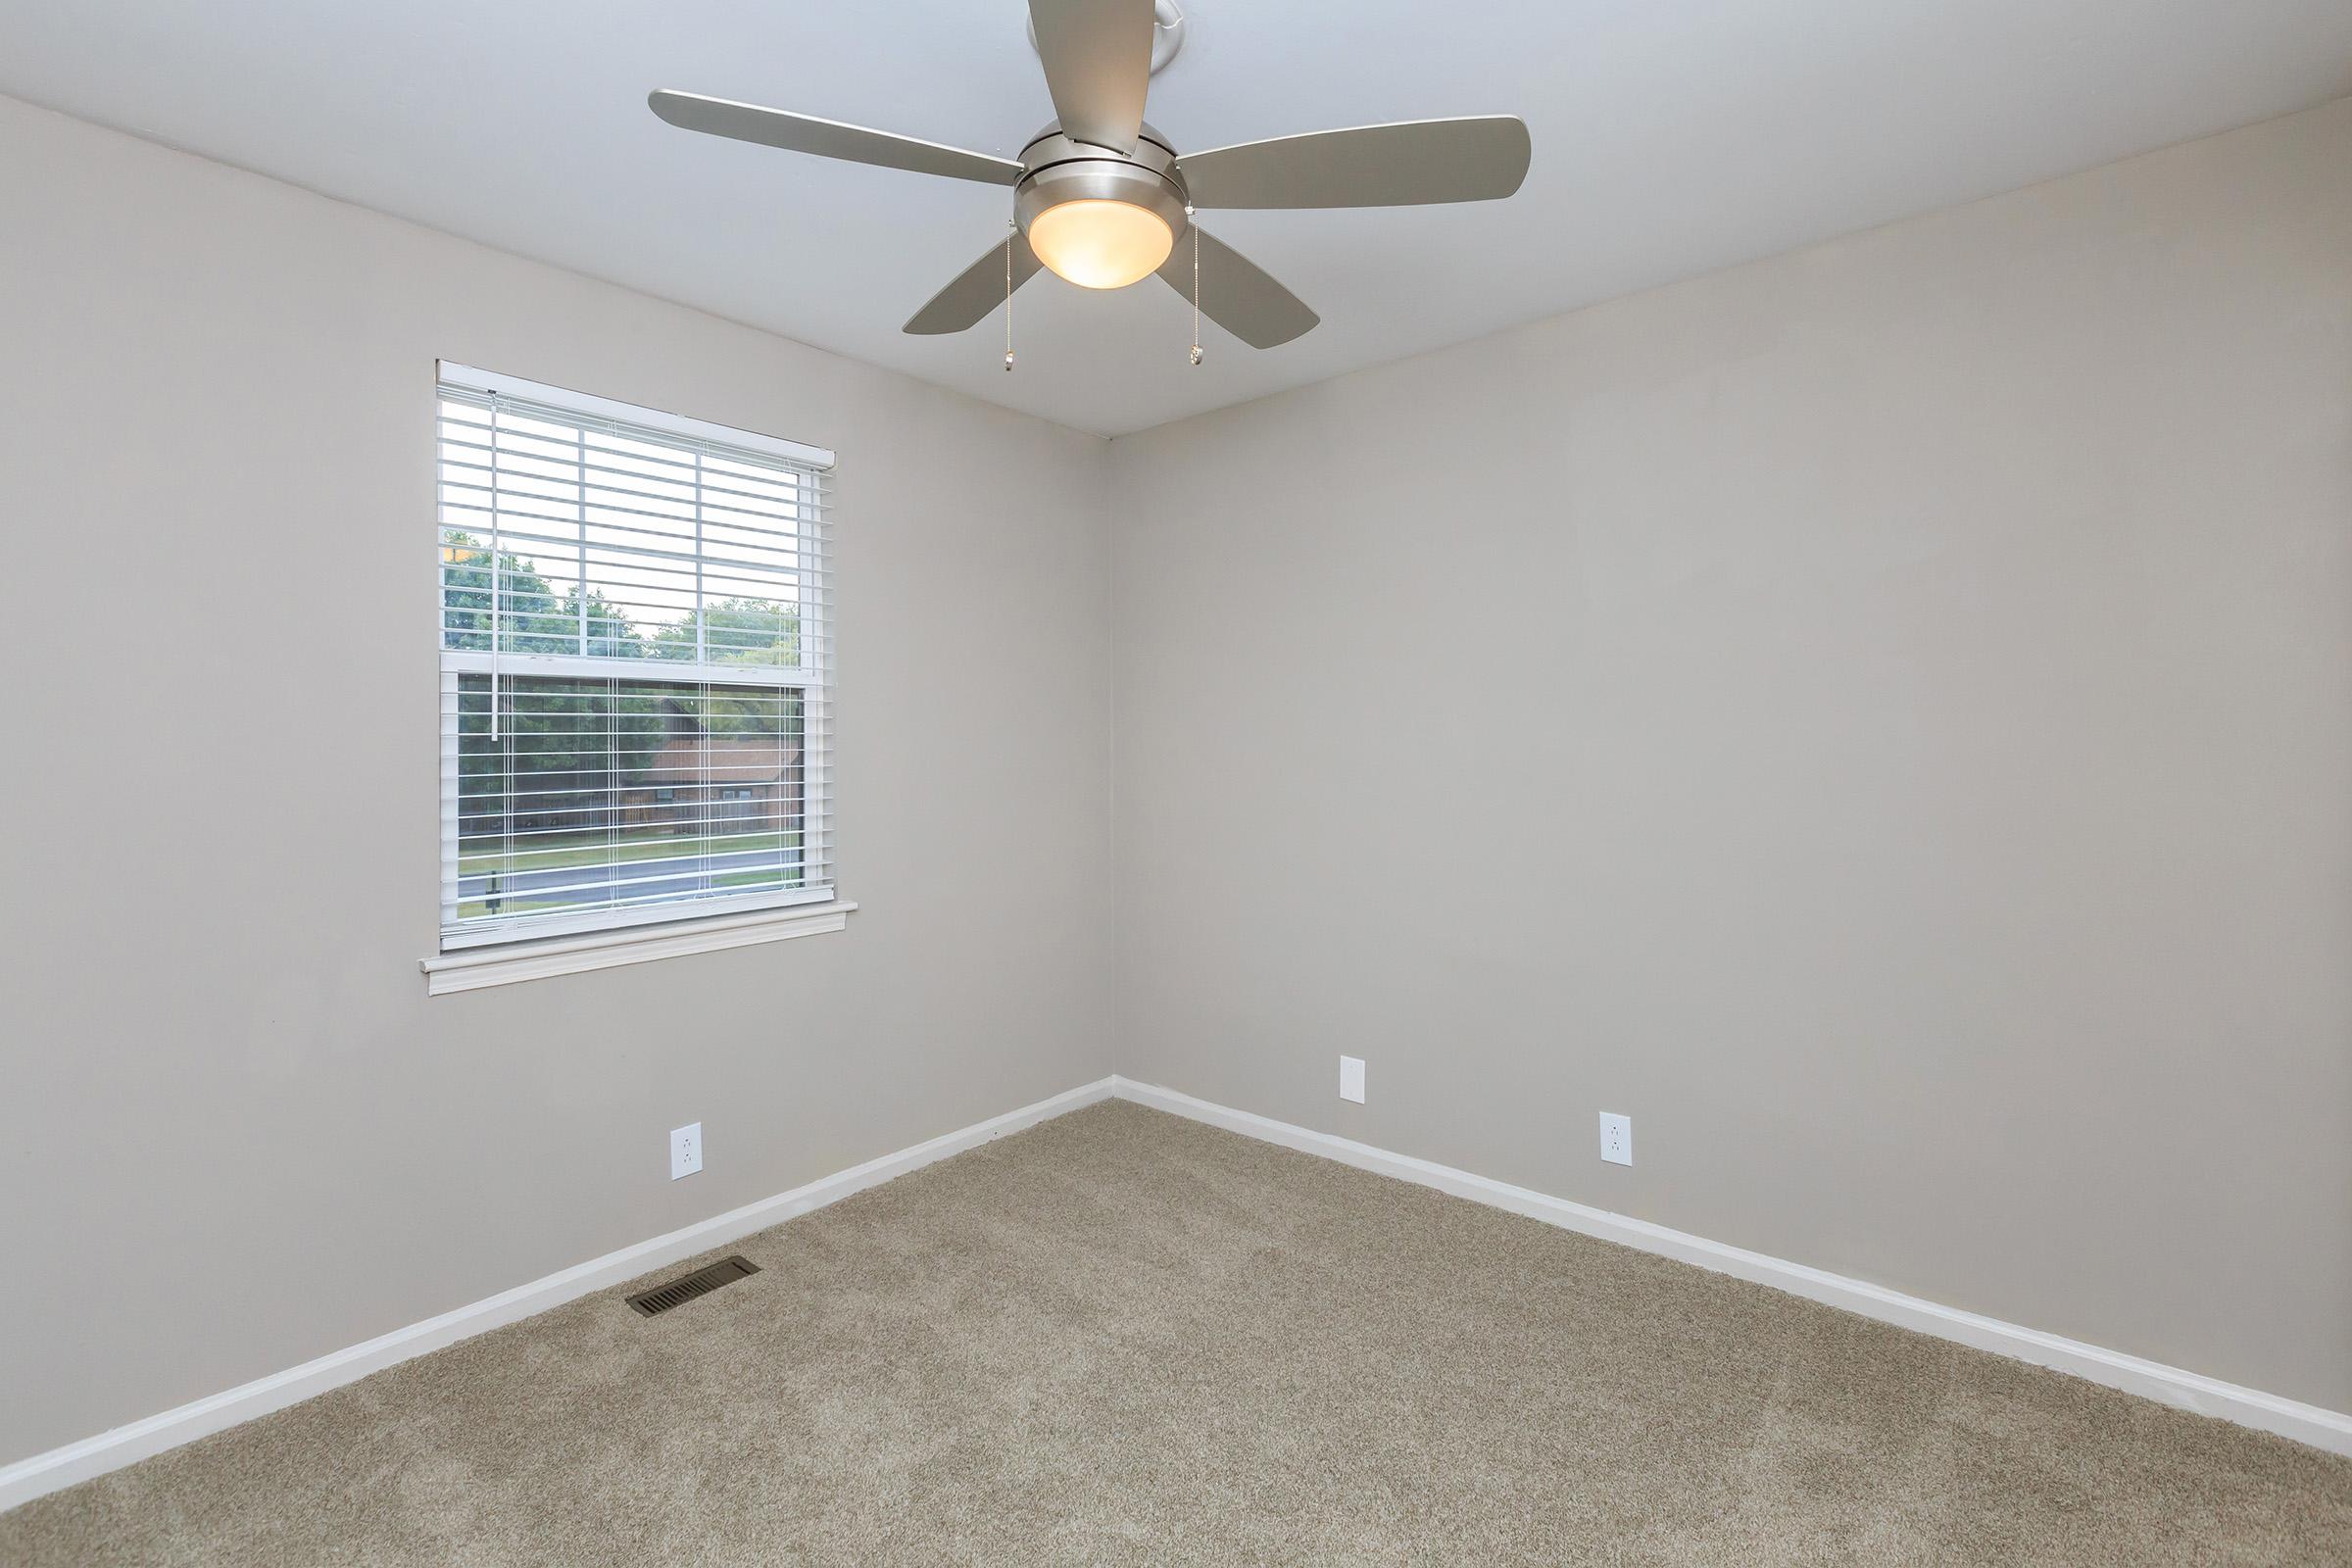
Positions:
{"x": 634, "y": 662}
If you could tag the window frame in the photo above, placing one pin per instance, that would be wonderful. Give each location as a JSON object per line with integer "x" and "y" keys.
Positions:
{"x": 811, "y": 679}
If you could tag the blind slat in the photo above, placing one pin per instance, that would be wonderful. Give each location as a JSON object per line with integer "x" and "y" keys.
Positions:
{"x": 635, "y": 661}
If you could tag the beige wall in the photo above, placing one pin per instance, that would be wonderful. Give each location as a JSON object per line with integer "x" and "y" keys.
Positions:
{"x": 218, "y": 1063}
{"x": 1882, "y": 718}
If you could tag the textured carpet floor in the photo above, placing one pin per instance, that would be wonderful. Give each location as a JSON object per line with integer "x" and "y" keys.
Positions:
{"x": 1123, "y": 1337}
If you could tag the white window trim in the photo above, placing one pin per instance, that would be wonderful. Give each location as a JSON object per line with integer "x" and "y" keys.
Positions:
{"x": 473, "y": 380}
{"x": 636, "y": 917}
{"x": 556, "y": 945}
{"x": 507, "y": 963}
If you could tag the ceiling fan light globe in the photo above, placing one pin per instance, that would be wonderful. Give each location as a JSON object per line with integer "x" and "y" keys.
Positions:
{"x": 1100, "y": 243}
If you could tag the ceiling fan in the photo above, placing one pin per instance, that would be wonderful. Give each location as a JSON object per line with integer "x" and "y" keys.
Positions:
{"x": 1101, "y": 198}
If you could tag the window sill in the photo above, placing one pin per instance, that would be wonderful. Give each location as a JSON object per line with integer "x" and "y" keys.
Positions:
{"x": 476, "y": 967}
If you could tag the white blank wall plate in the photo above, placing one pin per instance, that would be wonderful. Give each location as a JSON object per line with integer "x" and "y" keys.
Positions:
{"x": 1616, "y": 1138}
{"x": 685, "y": 1150}
{"x": 1351, "y": 1079}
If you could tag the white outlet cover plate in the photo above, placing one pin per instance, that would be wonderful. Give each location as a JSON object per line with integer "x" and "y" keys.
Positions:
{"x": 1351, "y": 1079}
{"x": 1616, "y": 1138}
{"x": 685, "y": 1150}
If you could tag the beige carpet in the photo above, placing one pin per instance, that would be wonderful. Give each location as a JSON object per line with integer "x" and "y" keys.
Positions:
{"x": 1123, "y": 1337}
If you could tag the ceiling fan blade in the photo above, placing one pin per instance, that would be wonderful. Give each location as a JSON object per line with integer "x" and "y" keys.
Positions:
{"x": 827, "y": 138}
{"x": 977, "y": 290}
{"x": 1097, "y": 60}
{"x": 1404, "y": 163}
{"x": 1237, "y": 293}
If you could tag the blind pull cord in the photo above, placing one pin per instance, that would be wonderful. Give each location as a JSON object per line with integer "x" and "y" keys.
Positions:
{"x": 497, "y": 569}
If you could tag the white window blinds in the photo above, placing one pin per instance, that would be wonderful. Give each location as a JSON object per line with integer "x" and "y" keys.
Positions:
{"x": 635, "y": 651}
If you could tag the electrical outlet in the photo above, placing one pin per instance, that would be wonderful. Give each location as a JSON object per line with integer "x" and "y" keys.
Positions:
{"x": 685, "y": 1150}
{"x": 1351, "y": 1079}
{"x": 1616, "y": 1138}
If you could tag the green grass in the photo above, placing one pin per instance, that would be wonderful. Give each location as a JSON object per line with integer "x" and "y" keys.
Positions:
{"x": 549, "y": 853}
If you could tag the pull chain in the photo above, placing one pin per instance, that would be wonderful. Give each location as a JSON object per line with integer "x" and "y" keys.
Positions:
{"x": 1188, "y": 213}
{"x": 1009, "y": 231}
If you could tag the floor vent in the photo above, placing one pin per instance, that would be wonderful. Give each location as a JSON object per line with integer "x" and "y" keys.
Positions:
{"x": 701, "y": 1282}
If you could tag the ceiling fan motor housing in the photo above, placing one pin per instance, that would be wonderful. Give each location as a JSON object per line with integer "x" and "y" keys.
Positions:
{"x": 1057, "y": 168}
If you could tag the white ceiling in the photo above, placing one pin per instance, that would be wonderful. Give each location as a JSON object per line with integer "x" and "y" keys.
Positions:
{"x": 1671, "y": 137}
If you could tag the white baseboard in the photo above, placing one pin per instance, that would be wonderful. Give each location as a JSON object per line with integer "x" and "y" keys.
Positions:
{"x": 43, "y": 1473}
{"x": 28, "y": 1479}
{"x": 2168, "y": 1385}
